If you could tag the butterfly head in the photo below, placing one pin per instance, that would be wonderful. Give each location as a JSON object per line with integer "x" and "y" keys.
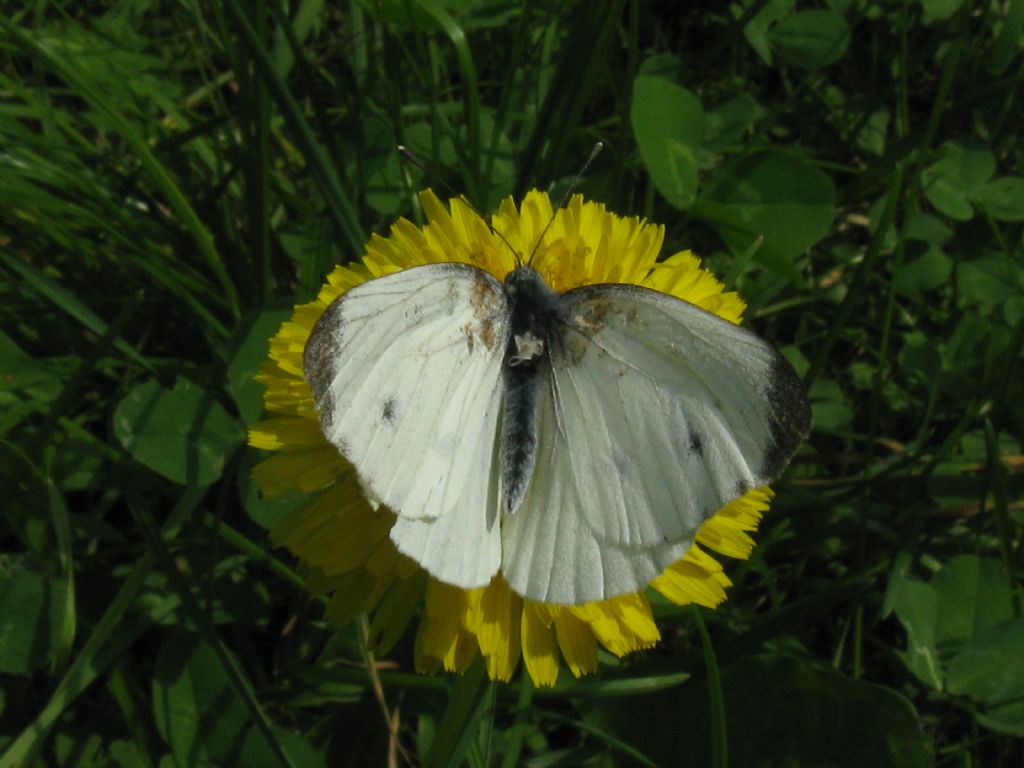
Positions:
{"x": 533, "y": 307}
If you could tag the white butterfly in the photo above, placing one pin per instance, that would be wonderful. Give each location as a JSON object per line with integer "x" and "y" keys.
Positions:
{"x": 573, "y": 442}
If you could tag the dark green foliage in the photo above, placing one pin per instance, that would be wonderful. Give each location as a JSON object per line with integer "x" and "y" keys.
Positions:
{"x": 175, "y": 176}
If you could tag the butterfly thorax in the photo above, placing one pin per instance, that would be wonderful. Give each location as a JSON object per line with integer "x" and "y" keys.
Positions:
{"x": 533, "y": 321}
{"x": 533, "y": 313}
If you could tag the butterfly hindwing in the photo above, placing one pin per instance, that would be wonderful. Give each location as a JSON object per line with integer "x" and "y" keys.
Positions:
{"x": 549, "y": 553}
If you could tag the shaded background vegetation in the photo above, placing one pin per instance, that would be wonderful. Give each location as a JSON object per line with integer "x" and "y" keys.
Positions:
{"x": 175, "y": 175}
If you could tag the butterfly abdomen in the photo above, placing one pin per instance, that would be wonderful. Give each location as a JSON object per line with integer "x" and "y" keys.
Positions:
{"x": 518, "y": 433}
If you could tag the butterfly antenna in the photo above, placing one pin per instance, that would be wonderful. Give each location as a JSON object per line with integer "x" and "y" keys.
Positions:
{"x": 565, "y": 195}
{"x": 408, "y": 156}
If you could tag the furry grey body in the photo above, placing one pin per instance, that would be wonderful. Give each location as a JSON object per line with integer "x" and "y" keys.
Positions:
{"x": 534, "y": 325}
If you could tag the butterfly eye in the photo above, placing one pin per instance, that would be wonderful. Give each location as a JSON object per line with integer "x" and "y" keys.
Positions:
{"x": 512, "y": 281}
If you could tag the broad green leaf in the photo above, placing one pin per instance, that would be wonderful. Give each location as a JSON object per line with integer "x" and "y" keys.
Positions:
{"x": 31, "y": 615}
{"x": 969, "y": 165}
{"x": 960, "y": 171}
{"x": 916, "y": 604}
{"x": 989, "y": 281}
{"x": 773, "y": 195}
{"x": 928, "y": 229}
{"x": 871, "y": 138}
{"x": 666, "y": 66}
{"x": 965, "y": 599}
{"x": 25, "y": 383}
{"x": 729, "y": 122}
{"x": 925, "y": 272}
{"x": 80, "y": 462}
{"x": 780, "y": 711}
{"x": 919, "y": 357}
{"x": 948, "y": 199}
{"x": 974, "y": 594}
{"x": 1002, "y": 198}
{"x": 1013, "y": 311}
{"x": 257, "y": 753}
{"x": 182, "y": 433}
{"x": 668, "y": 123}
{"x": 831, "y": 410}
{"x": 195, "y": 708}
{"x": 20, "y": 371}
{"x": 938, "y": 10}
{"x": 249, "y": 345}
{"x": 990, "y": 670}
{"x": 756, "y": 30}
{"x": 810, "y": 39}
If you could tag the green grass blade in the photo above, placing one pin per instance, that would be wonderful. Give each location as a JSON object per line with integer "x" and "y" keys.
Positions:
{"x": 600, "y": 733}
{"x": 471, "y": 91}
{"x": 514, "y": 746}
{"x": 239, "y": 682}
{"x": 61, "y": 521}
{"x": 255, "y": 552}
{"x": 464, "y": 708}
{"x": 108, "y": 641}
{"x": 158, "y": 174}
{"x": 67, "y": 302}
{"x": 584, "y": 54}
{"x": 339, "y": 206}
{"x": 1000, "y": 506}
{"x": 716, "y": 699}
{"x": 860, "y": 280}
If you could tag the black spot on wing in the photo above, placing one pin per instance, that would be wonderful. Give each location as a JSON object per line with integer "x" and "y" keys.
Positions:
{"x": 390, "y": 410}
{"x": 696, "y": 443}
{"x": 789, "y": 417}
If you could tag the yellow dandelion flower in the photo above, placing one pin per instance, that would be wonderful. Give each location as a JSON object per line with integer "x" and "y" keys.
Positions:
{"x": 343, "y": 542}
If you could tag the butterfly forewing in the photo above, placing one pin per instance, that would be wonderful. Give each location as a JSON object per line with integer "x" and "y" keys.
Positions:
{"x": 405, "y": 371}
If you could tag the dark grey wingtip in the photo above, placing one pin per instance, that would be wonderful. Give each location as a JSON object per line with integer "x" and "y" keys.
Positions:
{"x": 790, "y": 417}
{"x": 318, "y": 360}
